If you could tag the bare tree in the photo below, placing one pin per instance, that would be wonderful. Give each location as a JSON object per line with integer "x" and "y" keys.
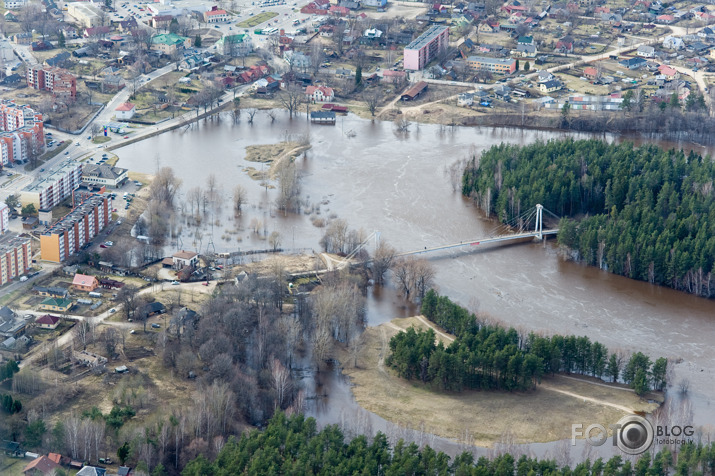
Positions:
{"x": 165, "y": 186}
{"x": 414, "y": 277}
{"x": 282, "y": 383}
{"x": 288, "y": 187}
{"x": 382, "y": 261}
{"x": 372, "y": 99}
{"x": 251, "y": 113}
{"x": 291, "y": 98}
{"x": 239, "y": 198}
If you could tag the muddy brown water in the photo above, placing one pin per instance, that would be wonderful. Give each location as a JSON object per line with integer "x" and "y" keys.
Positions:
{"x": 380, "y": 180}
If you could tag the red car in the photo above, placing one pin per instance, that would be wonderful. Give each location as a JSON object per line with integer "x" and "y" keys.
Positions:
{"x": 126, "y": 137}
{"x": 102, "y": 246}
{"x": 206, "y": 283}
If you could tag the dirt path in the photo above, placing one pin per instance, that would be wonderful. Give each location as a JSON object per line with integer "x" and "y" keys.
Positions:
{"x": 287, "y": 154}
{"x": 547, "y": 386}
{"x": 434, "y": 328}
{"x": 598, "y": 384}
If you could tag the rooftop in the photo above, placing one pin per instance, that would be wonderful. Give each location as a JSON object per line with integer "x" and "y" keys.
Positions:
{"x": 426, "y": 37}
{"x": 10, "y": 241}
{"x": 125, "y": 106}
{"x": 489, "y": 60}
{"x": 76, "y": 214}
{"x": 102, "y": 171}
{"x": 52, "y": 176}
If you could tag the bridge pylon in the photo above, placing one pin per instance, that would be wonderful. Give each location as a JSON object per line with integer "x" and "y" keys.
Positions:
{"x": 539, "y": 225}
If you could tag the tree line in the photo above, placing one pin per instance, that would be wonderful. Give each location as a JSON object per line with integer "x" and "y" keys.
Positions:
{"x": 488, "y": 356}
{"x": 643, "y": 212}
{"x": 293, "y": 445}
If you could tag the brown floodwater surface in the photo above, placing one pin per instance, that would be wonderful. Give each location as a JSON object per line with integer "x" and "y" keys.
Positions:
{"x": 379, "y": 180}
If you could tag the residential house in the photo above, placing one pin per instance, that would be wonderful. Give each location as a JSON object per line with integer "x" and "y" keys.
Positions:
{"x": 590, "y": 73}
{"x": 465, "y": 99}
{"x": 128, "y": 25}
{"x": 706, "y": 32}
{"x": 112, "y": 83}
{"x": 339, "y": 11}
{"x": 51, "y": 291}
{"x": 48, "y": 321}
{"x": 391, "y": 76}
{"x": 525, "y": 40}
{"x": 544, "y": 76}
{"x": 646, "y": 51}
{"x": 668, "y": 72}
{"x": 488, "y": 27}
{"x": 673, "y": 43}
{"x": 125, "y": 110}
{"x": 549, "y": 86}
{"x": 40, "y": 466}
{"x": 83, "y": 282}
{"x": 153, "y": 309}
{"x": 665, "y": 19}
{"x": 526, "y": 51}
{"x": 185, "y": 258}
{"x": 565, "y": 45}
{"x": 632, "y": 63}
{"x": 319, "y": 93}
{"x": 56, "y": 304}
{"x": 124, "y": 471}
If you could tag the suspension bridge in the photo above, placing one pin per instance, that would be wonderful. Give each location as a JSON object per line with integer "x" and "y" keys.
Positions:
{"x": 525, "y": 226}
{"x": 515, "y": 230}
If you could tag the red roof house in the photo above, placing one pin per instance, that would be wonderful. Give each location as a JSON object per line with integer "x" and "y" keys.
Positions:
{"x": 83, "y": 282}
{"x": 47, "y": 321}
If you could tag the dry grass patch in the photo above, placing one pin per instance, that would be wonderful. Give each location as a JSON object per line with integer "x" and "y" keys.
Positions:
{"x": 545, "y": 414}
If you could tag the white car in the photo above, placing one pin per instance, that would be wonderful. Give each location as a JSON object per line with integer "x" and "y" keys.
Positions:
{"x": 112, "y": 311}
{"x": 175, "y": 283}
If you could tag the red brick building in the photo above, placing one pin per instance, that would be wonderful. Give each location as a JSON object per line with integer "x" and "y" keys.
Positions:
{"x": 58, "y": 81}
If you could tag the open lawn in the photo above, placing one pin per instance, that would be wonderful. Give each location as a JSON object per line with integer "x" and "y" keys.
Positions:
{"x": 101, "y": 139}
{"x": 541, "y": 415}
{"x": 257, "y": 20}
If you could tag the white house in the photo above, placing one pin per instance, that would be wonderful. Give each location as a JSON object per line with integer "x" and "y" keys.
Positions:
{"x": 185, "y": 258}
{"x": 125, "y": 110}
{"x": 319, "y": 93}
{"x": 545, "y": 76}
{"x": 673, "y": 43}
{"x": 465, "y": 99}
{"x": 646, "y": 51}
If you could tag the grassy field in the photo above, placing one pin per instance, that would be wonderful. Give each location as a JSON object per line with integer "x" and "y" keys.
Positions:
{"x": 545, "y": 414}
{"x": 101, "y": 139}
{"x": 257, "y": 20}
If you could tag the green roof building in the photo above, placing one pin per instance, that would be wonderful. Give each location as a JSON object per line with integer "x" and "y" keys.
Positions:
{"x": 168, "y": 43}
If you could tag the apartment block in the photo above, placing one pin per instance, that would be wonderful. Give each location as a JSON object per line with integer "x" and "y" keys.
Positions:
{"x": 15, "y": 256}
{"x": 58, "y": 81}
{"x": 56, "y": 185}
{"x": 21, "y": 133}
{"x": 4, "y": 217}
{"x": 76, "y": 229}
{"x": 493, "y": 65}
{"x": 428, "y": 46}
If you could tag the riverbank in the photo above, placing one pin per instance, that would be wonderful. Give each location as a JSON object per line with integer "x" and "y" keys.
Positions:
{"x": 542, "y": 415}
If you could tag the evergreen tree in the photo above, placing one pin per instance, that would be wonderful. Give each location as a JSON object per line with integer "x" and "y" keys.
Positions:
{"x": 61, "y": 40}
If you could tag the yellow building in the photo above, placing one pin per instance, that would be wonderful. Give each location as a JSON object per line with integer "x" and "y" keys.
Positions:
{"x": 56, "y": 304}
{"x": 86, "y": 14}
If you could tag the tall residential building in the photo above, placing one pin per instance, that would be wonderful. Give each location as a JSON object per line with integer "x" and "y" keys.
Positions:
{"x": 21, "y": 133}
{"x": 77, "y": 228}
{"x": 4, "y": 217}
{"x": 15, "y": 256}
{"x": 428, "y": 46}
{"x": 58, "y": 81}
{"x": 56, "y": 185}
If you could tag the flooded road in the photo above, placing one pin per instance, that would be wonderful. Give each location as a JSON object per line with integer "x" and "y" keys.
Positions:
{"x": 396, "y": 184}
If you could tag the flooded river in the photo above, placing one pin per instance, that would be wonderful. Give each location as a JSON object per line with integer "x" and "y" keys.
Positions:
{"x": 379, "y": 180}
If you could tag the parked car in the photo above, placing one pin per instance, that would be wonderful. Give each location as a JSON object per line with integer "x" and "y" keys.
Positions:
{"x": 156, "y": 326}
{"x": 175, "y": 283}
{"x": 112, "y": 311}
